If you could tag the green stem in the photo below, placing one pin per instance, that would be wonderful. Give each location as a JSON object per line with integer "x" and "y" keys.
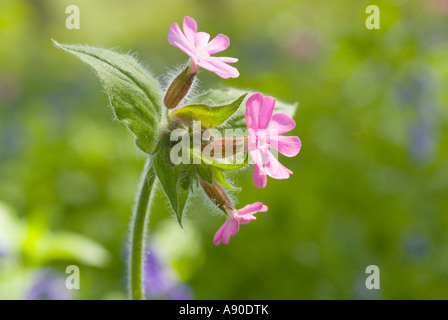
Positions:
{"x": 140, "y": 219}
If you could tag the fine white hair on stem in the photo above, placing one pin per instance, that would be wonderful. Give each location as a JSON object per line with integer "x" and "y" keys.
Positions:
{"x": 212, "y": 208}
{"x": 207, "y": 204}
{"x": 170, "y": 75}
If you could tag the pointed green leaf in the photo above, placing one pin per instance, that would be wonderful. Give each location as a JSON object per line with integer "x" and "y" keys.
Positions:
{"x": 223, "y": 96}
{"x": 205, "y": 172}
{"x": 135, "y": 96}
{"x": 219, "y": 176}
{"x": 209, "y": 116}
{"x": 186, "y": 176}
{"x": 174, "y": 179}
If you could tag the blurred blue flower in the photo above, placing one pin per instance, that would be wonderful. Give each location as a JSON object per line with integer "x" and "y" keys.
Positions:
{"x": 3, "y": 251}
{"x": 417, "y": 92}
{"x": 160, "y": 282}
{"x": 417, "y": 246}
{"x": 48, "y": 285}
{"x": 422, "y": 142}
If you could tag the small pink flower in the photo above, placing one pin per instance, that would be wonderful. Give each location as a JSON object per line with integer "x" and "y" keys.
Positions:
{"x": 197, "y": 46}
{"x": 234, "y": 219}
{"x": 265, "y": 130}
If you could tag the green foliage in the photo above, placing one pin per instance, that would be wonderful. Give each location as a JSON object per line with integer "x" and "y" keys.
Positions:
{"x": 38, "y": 245}
{"x": 134, "y": 95}
{"x": 220, "y": 177}
{"x": 68, "y": 246}
{"x": 209, "y": 116}
{"x": 25, "y": 245}
{"x": 205, "y": 172}
{"x": 174, "y": 179}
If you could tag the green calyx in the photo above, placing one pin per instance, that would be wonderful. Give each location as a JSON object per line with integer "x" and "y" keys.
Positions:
{"x": 209, "y": 116}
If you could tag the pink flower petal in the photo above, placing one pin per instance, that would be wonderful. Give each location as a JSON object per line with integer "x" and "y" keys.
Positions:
{"x": 257, "y": 157}
{"x": 246, "y": 214}
{"x": 253, "y": 106}
{"x": 266, "y": 111}
{"x": 253, "y": 208}
{"x": 197, "y": 46}
{"x": 259, "y": 111}
{"x": 177, "y": 38}
{"x": 222, "y": 69}
{"x": 281, "y": 123}
{"x": 201, "y": 39}
{"x": 252, "y": 141}
{"x": 226, "y": 59}
{"x": 260, "y": 178}
{"x": 286, "y": 145}
{"x": 228, "y": 229}
{"x": 219, "y": 235}
{"x": 274, "y": 168}
{"x": 234, "y": 227}
{"x": 190, "y": 29}
{"x": 220, "y": 43}
{"x": 246, "y": 218}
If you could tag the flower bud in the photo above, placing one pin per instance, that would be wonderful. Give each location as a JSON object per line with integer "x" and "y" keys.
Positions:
{"x": 179, "y": 88}
{"x": 217, "y": 195}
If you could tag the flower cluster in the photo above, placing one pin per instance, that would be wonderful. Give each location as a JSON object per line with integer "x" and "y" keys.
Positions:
{"x": 158, "y": 118}
{"x": 265, "y": 127}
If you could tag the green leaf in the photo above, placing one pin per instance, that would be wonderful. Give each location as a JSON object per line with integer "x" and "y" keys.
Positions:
{"x": 174, "y": 179}
{"x": 71, "y": 246}
{"x": 134, "y": 95}
{"x": 205, "y": 172}
{"x": 210, "y": 116}
{"x": 186, "y": 176}
{"x": 223, "y": 96}
{"x": 219, "y": 176}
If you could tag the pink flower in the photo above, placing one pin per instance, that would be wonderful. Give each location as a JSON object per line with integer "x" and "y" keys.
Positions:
{"x": 197, "y": 46}
{"x": 234, "y": 219}
{"x": 265, "y": 130}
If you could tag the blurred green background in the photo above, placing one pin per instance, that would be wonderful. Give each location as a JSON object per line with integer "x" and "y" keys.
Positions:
{"x": 369, "y": 186}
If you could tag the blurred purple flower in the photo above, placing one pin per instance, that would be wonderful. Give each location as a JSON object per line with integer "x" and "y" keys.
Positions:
{"x": 159, "y": 283}
{"x": 422, "y": 142}
{"x": 3, "y": 252}
{"x": 417, "y": 92}
{"x": 48, "y": 285}
{"x": 417, "y": 245}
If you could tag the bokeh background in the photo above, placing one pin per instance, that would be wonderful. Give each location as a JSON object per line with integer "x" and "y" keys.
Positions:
{"x": 370, "y": 184}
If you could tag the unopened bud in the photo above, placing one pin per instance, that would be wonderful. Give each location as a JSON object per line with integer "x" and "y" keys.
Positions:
{"x": 179, "y": 88}
{"x": 217, "y": 195}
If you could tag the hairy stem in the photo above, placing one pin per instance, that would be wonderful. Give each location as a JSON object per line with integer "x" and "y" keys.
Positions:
{"x": 140, "y": 219}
